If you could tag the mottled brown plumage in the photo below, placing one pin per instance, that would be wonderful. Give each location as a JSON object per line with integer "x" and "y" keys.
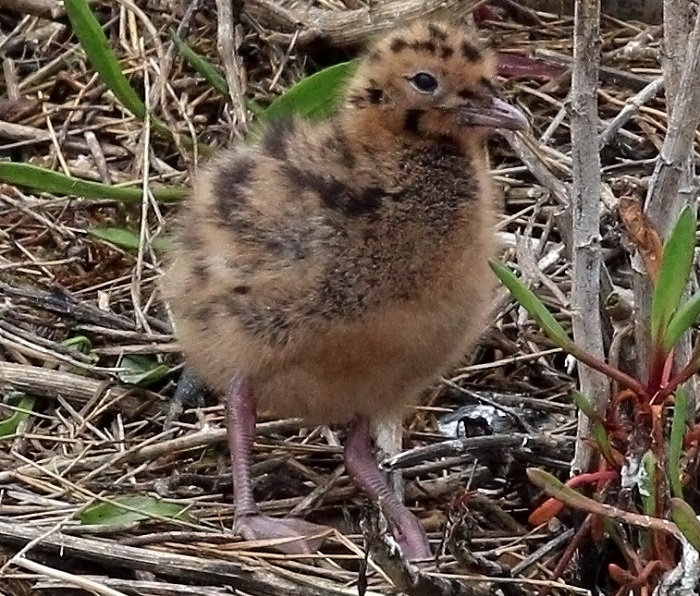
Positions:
{"x": 336, "y": 268}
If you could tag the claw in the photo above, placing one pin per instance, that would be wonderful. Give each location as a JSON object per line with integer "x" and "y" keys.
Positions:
{"x": 289, "y": 535}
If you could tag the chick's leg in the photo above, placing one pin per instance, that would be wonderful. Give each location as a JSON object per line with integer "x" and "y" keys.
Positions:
{"x": 248, "y": 521}
{"x": 362, "y": 467}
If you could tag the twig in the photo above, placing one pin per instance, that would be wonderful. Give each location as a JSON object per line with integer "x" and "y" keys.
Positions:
{"x": 350, "y": 27}
{"x": 672, "y": 185}
{"x": 585, "y": 209}
{"x": 227, "y": 40}
{"x": 632, "y": 107}
{"x": 408, "y": 578}
{"x": 78, "y": 581}
{"x": 257, "y": 579}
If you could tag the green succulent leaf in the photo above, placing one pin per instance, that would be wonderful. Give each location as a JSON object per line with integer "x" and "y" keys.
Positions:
{"x": 598, "y": 431}
{"x": 44, "y": 180}
{"x": 681, "y": 417}
{"x": 682, "y": 320}
{"x": 130, "y": 509}
{"x": 527, "y": 299}
{"x": 676, "y": 263}
{"x": 684, "y": 517}
{"x": 648, "y": 482}
{"x": 557, "y": 489}
{"x": 24, "y": 407}
{"x": 126, "y": 238}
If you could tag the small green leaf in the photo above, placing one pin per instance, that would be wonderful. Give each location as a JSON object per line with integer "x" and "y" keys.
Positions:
{"x": 681, "y": 416}
{"x": 648, "y": 482}
{"x": 527, "y": 299}
{"x": 201, "y": 65}
{"x": 682, "y": 320}
{"x": 598, "y": 430}
{"x": 141, "y": 370}
{"x": 126, "y": 238}
{"x": 684, "y": 517}
{"x": 134, "y": 509}
{"x": 25, "y": 407}
{"x": 79, "y": 342}
{"x": 676, "y": 263}
{"x": 314, "y": 97}
{"x": 44, "y": 180}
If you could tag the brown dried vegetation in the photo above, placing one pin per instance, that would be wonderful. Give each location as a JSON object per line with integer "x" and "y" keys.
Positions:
{"x": 94, "y": 437}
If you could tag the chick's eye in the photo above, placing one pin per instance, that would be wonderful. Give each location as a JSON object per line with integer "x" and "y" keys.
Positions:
{"x": 424, "y": 82}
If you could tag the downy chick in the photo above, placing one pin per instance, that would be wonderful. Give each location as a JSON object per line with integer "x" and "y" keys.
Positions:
{"x": 333, "y": 270}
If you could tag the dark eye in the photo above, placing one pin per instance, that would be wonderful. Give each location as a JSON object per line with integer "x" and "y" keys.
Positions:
{"x": 424, "y": 82}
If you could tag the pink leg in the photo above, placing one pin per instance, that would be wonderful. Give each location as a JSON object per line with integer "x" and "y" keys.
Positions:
{"x": 362, "y": 467}
{"x": 248, "y": 521}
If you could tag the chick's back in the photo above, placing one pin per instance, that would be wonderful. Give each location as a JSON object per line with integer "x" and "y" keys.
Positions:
{"x": 338, "y": 278}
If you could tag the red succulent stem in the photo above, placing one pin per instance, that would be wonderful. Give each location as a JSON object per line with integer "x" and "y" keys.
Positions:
{"x": 682, "y": 376}
{"x": 656, "y": 371}
{"x": 612, "y": 372}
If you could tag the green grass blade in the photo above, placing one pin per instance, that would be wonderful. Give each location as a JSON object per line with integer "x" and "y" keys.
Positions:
{"x": 684, "y": 517}
{"x": 681, "y": 321}
{"x": 201, "y": 65}
{"x": 676, "y": 263}
{"x": 527, "y": 299}
{"x": 314, "y": 97}
{"x": 43, "y": 180}
{"x": 96, "y": 47}
{"x": 681, "y": 416}
{"x": 128, "y": 239}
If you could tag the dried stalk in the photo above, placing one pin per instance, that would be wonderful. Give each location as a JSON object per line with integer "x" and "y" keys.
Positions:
{"x": 672, "y": 186}
{"x": 228, "y": 38}
{"x": 347, "y": 28}
{"x": 586, "y": 258}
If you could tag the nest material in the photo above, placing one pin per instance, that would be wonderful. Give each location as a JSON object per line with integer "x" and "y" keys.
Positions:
{"x": 92, "y": 438}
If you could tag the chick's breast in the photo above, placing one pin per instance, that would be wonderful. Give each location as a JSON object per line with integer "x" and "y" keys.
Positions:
{"x": 338, "y": 284}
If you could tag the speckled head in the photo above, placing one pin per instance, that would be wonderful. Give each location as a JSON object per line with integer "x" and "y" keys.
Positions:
{"x": 429, "y": 79}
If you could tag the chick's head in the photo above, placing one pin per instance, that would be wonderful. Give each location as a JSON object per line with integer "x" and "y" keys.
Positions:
{"x": 429, "y": 80}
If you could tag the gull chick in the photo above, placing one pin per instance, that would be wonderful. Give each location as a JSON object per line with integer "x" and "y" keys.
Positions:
{"x": 333, "y": 270}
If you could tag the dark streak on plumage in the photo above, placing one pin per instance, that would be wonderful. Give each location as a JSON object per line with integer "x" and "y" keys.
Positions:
{"x": 275, "y": 140}
{"x": 374, "y": 95}
{"x": 230, "y": 197}
{"x": 437, "y": 32}
{"x": 470, "y": 52}
{"x": 446, "y": 52}
{"x": 203, "y": 313}
{"x": 339, "y": 144}
{"x": 484, "y": 82}
{"x": 428, "y": 46}
{"x": 200, "y": 269}
{"x": 412, "y": 121}
{"x": 398, "y": 44}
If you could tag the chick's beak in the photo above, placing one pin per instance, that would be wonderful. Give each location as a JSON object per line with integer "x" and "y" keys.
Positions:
{"x": 493, "y": 113}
